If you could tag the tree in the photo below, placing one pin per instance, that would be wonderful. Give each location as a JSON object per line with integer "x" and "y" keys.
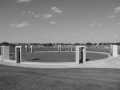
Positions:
{"x": 5, "y": 43}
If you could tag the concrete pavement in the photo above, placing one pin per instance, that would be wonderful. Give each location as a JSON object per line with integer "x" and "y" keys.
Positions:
{"x": 111, "y": 62}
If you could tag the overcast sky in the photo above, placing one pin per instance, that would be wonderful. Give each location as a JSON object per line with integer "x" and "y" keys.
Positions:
{"x": 59, "y": 20}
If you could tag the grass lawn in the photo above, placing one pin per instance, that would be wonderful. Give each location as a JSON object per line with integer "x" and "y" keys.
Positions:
{"x": 60, "y": 57}
{"x": 16, "y": 78}
{"x": 38, "y": 56}
{"x": 99, "y": 49}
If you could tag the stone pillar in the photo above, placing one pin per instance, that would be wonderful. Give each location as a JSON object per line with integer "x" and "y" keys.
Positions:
{"x": 26, "y": 47}
{"x": 84, "y": 54}
{"x": 5, "y": 52}
{"x": 59, "y": 48}
{"x": 114, "y": 50}
{"x": 78, "y": 54}
{"x": 31, "y": 48}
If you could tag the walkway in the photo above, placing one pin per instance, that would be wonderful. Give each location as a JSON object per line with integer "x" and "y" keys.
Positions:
{"x": 110, "y": 62}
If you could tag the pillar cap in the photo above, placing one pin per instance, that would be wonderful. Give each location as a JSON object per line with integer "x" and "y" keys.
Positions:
{"x": 18, "y": 46}
{"x": 80, "y": 46}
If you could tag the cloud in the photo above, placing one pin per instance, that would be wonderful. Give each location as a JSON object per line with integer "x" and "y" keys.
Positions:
{"x": 20, "y": 25}
{"x": 112, "y": 16}
{"x": 115, "y": 14}
{"x": 95, "y": 24}
{"x": 31, "y": 13}
{"x": 47, "y": 16}
{"x": 56, "y": 10}
{"x": 52, "y": 22}
{"x": 21, "y": 1}
{"x": 35, "y": 15}
{"x": 117, "y": 9}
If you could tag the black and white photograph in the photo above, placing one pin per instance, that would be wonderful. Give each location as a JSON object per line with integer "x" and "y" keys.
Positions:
{"x": 59, "y": 44}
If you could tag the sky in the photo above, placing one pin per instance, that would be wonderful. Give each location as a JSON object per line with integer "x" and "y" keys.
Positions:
{"x": 66, "y": 21}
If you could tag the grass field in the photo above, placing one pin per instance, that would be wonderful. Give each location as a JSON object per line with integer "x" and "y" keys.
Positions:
{"x": 60, "y": 57}
{"x": 38, "y": 56}
{"x": 15, "y": 78}
{"x": 103, "y": 48}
